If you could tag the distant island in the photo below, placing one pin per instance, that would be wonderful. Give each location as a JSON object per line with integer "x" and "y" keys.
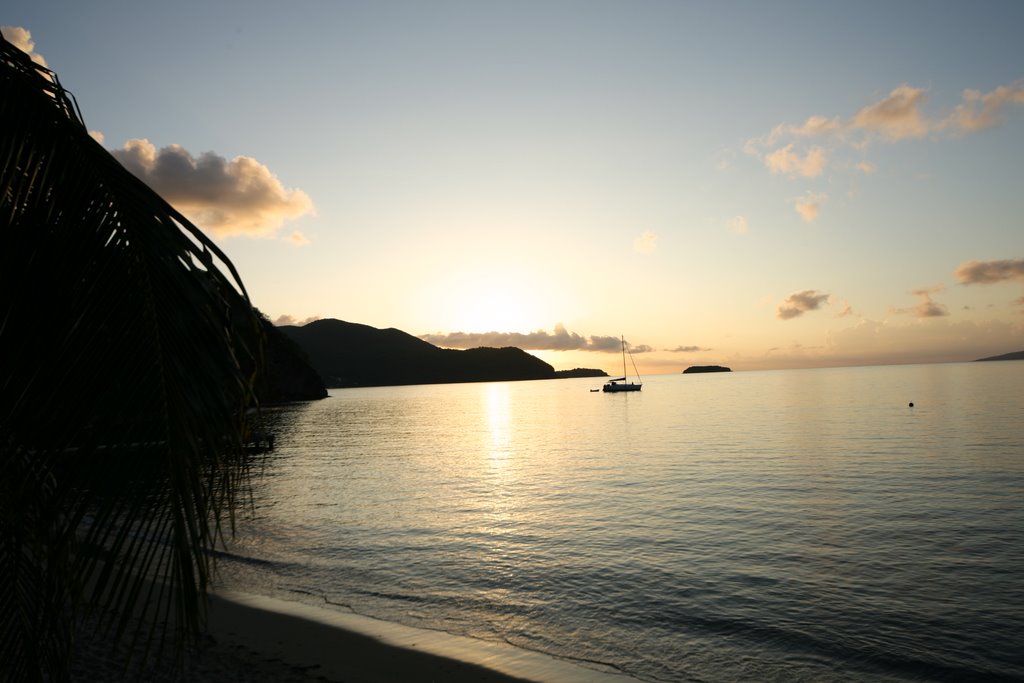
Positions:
{"x": 1015, "y": 355}
{"x": 580, "y": 372}
{"x": 693, "y": 369}
{"x": 348, "y": 354}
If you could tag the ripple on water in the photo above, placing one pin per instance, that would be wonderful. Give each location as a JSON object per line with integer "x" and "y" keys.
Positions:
{"x": 762, "y": 526}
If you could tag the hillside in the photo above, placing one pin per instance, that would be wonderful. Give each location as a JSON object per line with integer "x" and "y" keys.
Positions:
{"x": 289, "y": 374}
{"x": 1015, "y": 355}
{"x": 352, "y": 355}
{"x": 580, "y": 372}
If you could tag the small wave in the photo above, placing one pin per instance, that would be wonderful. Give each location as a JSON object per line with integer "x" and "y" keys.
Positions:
{"x": 251, "y": 561}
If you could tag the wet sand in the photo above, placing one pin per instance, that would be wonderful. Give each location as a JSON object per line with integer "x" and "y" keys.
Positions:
{"x": 260, "y": 639}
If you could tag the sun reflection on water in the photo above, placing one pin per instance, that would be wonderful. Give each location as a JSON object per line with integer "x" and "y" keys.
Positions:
{"x": 499, "y": 432}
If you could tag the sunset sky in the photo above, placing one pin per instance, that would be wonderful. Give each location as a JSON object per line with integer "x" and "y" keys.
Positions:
{"x": 754, "y": 184}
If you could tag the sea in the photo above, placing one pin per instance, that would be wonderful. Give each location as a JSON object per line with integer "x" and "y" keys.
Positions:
{"x": 797, "y": 525}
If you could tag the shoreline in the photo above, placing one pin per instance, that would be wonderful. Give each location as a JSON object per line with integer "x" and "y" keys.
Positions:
{"x": 258, "y": 639}
{"x": 336, "y": 645}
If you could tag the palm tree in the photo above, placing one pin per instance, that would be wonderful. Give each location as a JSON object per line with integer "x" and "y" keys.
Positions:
{"x": 128, "y": 356}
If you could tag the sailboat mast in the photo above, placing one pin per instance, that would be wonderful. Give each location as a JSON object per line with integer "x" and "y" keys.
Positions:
{"x": 624, "y": 375}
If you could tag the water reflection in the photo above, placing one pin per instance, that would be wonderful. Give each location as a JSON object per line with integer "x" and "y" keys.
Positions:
{"x": 777, "y": 520}
{"x": 282, "y": 420}
{"x": 499, "y": 441}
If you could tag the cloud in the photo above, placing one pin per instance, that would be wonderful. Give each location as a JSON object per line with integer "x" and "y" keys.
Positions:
{"x": 930, "y": 309}
{"x": 896, "y": 117}
{"x": 785, "y": 160}
{"x": 639, "y": 348}
{"x": 541, "y": 340}
{"x": 725, "y": 159}
{"x": 97, "y": 136}
{"x": 927, "y": 307}
{"x": 988, "y": 272}
{"x": 645, "y": 243}
{"x": 980, "y": 111}
{"x": 818, "y": 126}
{"x": 814, "y": 126}
{"x": 797, "y": 304}
{"x": 236, "y": 197}
{"x": 21, "y": 38}
{"x": 739, "y": 225}
{"x": 290, "y": 320}
{"x": 687, "y": 349}
{"x": 298, "y": 239}
{"x": 809, "y": 205}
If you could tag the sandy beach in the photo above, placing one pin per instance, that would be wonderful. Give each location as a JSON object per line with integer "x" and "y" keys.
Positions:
{"x": 260, "y": 639}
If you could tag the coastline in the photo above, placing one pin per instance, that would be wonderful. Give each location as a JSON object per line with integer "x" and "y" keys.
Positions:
{"x": 259, "y": 639}
{"x": 354, "y": 648}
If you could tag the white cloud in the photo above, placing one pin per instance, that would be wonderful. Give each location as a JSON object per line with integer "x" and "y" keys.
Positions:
{"x": 979, "y": 111}
{"x": 739, "y": 225}
{"x": 21, "y": 38}
{"x": 236, "y": 197}
{"x": 809, "y": 205}
{"x": 645, "y": 243}
{"x": 818, "y": 126}
{"x": 785, "y": 160}
{"x": 897, "y": 116}
{"x": 900, "y": 115}
{"x": 725, "y": 159}
{"x": 291, "y": 320}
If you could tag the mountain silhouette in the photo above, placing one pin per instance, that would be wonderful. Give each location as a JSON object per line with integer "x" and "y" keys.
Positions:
{"x": 694, "y": 369}
{"x": 353, "y": 355}
{"x": 1014, "y": 355}
{"x": 289, "y": 376}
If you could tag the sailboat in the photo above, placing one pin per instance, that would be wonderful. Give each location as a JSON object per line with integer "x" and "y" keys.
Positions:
{"x": 620, "y": 383}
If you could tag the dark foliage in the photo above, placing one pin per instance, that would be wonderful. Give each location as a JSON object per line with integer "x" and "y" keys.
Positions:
{"x": 128, "y": 356}
{"x": 289, "y": 375}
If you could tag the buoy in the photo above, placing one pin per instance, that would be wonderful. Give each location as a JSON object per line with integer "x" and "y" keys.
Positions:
{"x": 911, "y": 404}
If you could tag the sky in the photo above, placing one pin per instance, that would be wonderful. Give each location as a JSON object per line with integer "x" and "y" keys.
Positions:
{"x": 752, "y": 184}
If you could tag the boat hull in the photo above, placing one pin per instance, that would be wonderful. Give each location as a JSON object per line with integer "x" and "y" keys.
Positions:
{"x": 621, "y": 387}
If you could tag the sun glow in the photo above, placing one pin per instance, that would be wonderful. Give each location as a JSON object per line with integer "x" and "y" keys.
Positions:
{"x": 492, "y": 309}
{"x": 499, "y": 300}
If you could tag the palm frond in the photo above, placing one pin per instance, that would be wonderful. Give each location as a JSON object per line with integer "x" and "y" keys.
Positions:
{"x": 128, "y": 356}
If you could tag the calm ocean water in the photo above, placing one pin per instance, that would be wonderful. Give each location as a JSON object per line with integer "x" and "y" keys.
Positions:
{"x": 783, "y": 525}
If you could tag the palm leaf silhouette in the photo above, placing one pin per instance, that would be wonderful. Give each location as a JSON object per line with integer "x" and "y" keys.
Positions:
{"x": 128, "y": 356}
